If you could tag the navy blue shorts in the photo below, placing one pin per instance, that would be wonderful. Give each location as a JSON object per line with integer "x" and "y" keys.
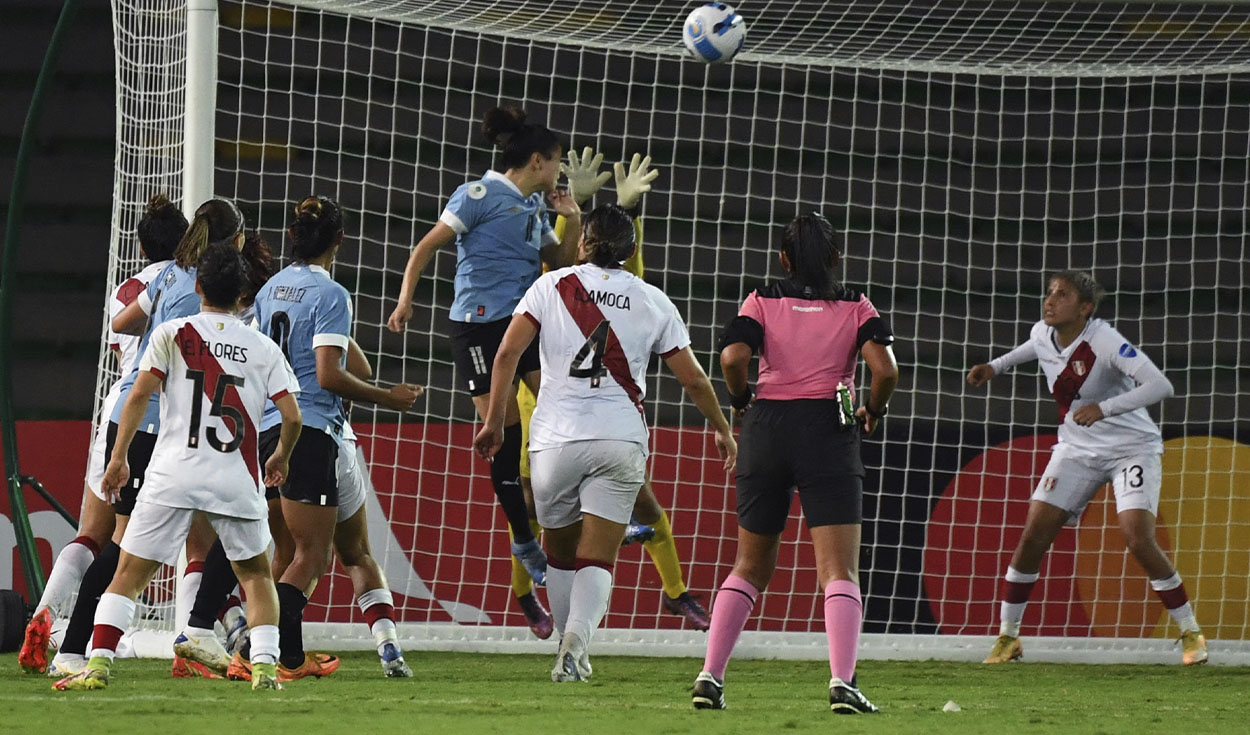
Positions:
{"x": 473, "y": 348}
{"x": 798, "y": 444}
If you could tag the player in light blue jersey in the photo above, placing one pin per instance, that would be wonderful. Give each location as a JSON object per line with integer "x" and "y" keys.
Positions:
{"x": 309, "y": 315}
{"x": 169, "y": 296}
{"x": 502, "y": 234}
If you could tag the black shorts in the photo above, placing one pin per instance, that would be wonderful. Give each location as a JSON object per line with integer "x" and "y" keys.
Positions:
{"x": 312, "y": 476}
{"x": 137, "y": 457}
{"x": 473, "y": 348}
{"x": 798, "y": 444}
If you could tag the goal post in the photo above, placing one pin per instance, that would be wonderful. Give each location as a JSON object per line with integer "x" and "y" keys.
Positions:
{"x": 963, "y": 151}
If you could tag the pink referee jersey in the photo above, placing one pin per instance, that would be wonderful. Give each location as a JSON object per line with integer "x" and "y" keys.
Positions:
{"x": 809, "y": 345}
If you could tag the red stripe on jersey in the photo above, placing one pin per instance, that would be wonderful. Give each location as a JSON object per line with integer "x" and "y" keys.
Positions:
{"x": 586, "y": 314}
{"x": 157, "y": 372}
{"x": 198, "y": 356}
{"x": 130, "y": 290}
{"x": 279, "y": 395}
{"x": 1067, "y": 386}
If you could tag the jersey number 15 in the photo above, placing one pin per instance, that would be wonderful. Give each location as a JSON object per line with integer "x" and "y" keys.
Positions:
{"x": 218, "y": 408}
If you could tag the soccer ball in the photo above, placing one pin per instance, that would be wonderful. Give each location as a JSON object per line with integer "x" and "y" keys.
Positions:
{"x": 714, "y": 33}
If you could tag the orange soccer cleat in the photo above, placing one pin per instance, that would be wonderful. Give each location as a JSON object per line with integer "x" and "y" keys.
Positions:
{"x": 185, "y": 668}
{"x": 240, "y": 669}
{"x": 33, "y": 657}
{"x": 315, "y": 664}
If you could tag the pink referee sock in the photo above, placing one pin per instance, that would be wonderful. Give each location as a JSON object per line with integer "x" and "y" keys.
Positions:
{"x": 844, "y": 612}
{"x": 730, "y": 612}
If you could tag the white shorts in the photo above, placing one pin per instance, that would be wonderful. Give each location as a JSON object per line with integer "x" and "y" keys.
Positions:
{"x": 350, "y": 468}
{"x": 601, "y": 477}
{"x": 157, "y": 533}
{"x": 1071, "y": 479}
{"x": 97, "y": 462}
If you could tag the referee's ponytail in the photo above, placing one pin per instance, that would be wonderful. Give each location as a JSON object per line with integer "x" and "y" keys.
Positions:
{"x": 810, "y": 246}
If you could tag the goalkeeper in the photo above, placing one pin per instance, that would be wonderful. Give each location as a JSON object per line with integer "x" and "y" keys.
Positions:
{"x": 650, "y": 523}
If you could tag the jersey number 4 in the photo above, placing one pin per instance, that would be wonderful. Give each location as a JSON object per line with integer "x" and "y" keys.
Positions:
{"x": 592, "y": 349}
{"x": 218, "y": 408}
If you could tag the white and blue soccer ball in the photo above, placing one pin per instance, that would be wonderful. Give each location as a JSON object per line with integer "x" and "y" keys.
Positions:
{"x": 714, "y": 33}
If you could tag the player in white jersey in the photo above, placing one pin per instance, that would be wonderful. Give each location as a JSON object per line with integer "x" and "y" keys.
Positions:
{"x": 598, "y": 326}
{"x": 159, "y": 231}
{"x": 215, "y": 375}
{"x": 1103, "y": 385}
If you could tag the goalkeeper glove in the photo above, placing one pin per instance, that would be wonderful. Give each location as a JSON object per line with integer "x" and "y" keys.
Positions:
{"x": 630, "y": 187}
{"x": 582, "y": 174}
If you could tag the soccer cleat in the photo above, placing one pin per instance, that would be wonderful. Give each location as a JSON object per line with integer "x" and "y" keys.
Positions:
{"x": 393, "y": 662}
{"x": 315, "y": 664}
{"x": 1194, "y": 647}
{"x": 66, "y": 664}
{"x": 531, "y": 556}
{"x": 1006, "y": 648}
{"x": 845, "y": 699}
{"x": 265, "y": 676}
{"x": 85, "y": 680}
{"x": 637, "y": 533}
{"x": 236, "y": 635}
{"x": 240, "y": 669}
{"x": 708, "y": 693}
{"x": 689, "y": 608}
{"x": 185, "y": 668}
{"x": 536, "y": 615}
{"x": 33, "y": 656}
{"x": 206, "y": 650}
{"x": 572, "y": 663}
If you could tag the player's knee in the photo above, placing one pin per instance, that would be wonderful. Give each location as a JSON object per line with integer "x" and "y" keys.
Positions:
{"x": 758, "y": 573}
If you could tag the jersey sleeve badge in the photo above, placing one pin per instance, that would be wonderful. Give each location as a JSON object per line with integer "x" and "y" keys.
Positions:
{"x": 1126, "y": 350}
{"x": 476, "y": 191}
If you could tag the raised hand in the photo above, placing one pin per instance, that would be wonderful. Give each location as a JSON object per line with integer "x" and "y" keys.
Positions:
{"x": 631, "y": 185}
{"x": 583, "y": 174}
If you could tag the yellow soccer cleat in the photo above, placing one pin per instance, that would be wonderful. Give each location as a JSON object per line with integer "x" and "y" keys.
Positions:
{"x": 1006, "y": 648}
{"x": 265, "y": 676}
{"x": 86, "y": 680}
{"x": 1194, "y": 647}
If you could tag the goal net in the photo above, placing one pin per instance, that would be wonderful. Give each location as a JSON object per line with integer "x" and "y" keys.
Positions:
{"x": 965, "y": 150}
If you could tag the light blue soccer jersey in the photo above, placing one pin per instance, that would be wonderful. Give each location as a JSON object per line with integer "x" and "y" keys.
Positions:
{"x": 171, "y": 295}
{"x": 302, "y": 308}
{"x": 498, "y": 236}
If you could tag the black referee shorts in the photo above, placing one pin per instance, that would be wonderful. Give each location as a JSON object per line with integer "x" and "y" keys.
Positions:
{"x": 798, "y": 444}
{"x": 473, "y": 348}
{"x": 312, "y": 476}
{"x": 137, "y": 457}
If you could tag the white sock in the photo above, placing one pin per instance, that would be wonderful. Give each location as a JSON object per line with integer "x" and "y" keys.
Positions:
{"x": 383, "y": 627}
{"x": 66, "y": 576}
{"x": 592, "y": 586}
{"x": 116, "y": 611}
{"x": 1011, "y": 613}
{"x": 264, "y": 644}
{"x": 185, "y": 599}
{"x": 1183, "y": 615}
{"x": 559, "y": 594}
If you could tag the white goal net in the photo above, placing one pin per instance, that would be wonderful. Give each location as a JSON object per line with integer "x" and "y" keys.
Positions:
{"x": 964, "y": 149}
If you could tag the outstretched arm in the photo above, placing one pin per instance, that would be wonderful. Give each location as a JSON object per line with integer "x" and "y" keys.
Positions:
{"x": 438, "y": 236}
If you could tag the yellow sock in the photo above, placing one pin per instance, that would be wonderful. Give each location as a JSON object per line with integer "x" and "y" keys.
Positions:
{"x": 522, "y": 583}
{"x": 663, "y": 553}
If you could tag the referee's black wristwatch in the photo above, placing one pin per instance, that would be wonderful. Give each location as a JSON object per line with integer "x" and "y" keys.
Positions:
{"x": 740, "y": 402}
{"x": 876, "y": 414}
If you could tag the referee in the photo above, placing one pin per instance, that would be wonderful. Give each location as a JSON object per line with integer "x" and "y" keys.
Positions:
{"x": 801, "y": 432}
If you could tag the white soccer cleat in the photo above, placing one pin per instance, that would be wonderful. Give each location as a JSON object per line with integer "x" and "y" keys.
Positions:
{"x": 66, "y": 664}
{"x": 572, "y": 662}
{"x": 206, "y": 650}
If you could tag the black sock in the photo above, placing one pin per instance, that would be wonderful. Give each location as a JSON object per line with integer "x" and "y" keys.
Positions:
{"x": 505, "y": 475}
{"x": 216, "y": 582}
{"x": 94, "y": 581}
{"x": 291, "y": 602}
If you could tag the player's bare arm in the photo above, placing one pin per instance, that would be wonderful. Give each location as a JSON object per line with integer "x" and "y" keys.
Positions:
{"x": 439, "y": 235}
{"x": 979, "y": 375}
{"x": 521, "y": 331}
{"x": 357, "y": 363}
{"x": 690, "y": 374}
{"x": 130, "y": 320}
{"x": 117, "y": 473}
{"x": 333, "y": 377}
{"x": 279, "y": 462}
{"x": 884, "y": 369}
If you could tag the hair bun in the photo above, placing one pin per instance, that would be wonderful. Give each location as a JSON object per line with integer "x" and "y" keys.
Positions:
{"x": 500, "y": 123}
{"x": 311, "y": 206}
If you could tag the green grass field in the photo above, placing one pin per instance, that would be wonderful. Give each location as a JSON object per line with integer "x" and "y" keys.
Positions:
{"x": 476, "y": 693}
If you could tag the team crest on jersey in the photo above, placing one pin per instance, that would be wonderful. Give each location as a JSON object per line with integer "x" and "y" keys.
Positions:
{"x": 1126, "y": 350}
{"x": 476, "y": 191}
{"x": 1048, "y": 484}
{"x": 1078, "y": 367}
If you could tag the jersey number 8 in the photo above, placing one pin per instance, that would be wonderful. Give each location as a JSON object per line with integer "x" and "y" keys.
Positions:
{"x": 219, "y": 409}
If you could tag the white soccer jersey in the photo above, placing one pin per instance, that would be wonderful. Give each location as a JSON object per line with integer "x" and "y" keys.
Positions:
{"x": 1100, "y": 366}
{"x": 597, "y": 331}
{"x": 126, "y": 292}
{"x": 218, "y": 373}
